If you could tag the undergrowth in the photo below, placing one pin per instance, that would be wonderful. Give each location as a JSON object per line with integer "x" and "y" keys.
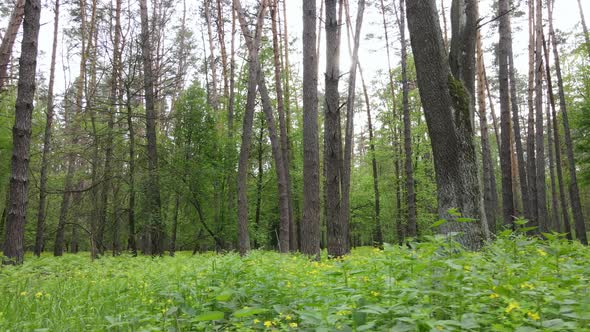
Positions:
{"x": 514, "y": 284}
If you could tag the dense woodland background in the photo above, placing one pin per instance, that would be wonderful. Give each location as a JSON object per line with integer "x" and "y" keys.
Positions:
{"x": 195, "y": 129}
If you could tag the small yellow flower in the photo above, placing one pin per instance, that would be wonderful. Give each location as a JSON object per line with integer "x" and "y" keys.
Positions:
{"x": 288, "y": 317}
{"x": 256, "y": 321}
{"x": 494, "y": 296}
{"x": 511, "y": 306}
{"x": 293, "y": 325}
{"x": 541, "y": 252}
{"x": 23, "y": 293}
{"x": 375, "y": 294}
{"x": 267, "y": 323}
{"x": 39, "y": 295}
{"x": 533, "y": 315}
{"x": 527, "y": 285}
{"x": 467, "y": 268}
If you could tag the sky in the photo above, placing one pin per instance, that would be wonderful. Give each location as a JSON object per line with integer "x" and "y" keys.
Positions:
{"x": 372, "y": 55}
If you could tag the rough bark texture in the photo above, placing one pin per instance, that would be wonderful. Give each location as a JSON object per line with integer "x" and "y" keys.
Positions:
{"x": 508, "y": 211}
{"x": 243, "y": 235}
{"x": 579, "y": 222}
{"x": 310, "y": 223}
{"x": 14, "y": 23}
{"x": 40, "y": 233}
{"x": 447, "y": 108}
{"x": 21, "y": 137}
{"x": 531, "y": 163}
{"x": 489, "y": 178}
{"x": 412, "y": 226}
{"x": 337, "y": 235}
{"x": 156, "y": 226}
{"x": 542, "y": 217}
{"x": 131, "y": 242}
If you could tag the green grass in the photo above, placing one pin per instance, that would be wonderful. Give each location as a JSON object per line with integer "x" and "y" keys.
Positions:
{"x": 515, "y": 284}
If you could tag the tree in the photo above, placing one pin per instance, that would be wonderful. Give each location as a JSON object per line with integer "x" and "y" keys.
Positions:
{"x": 310, "y": 223}
{"x": 21, "y": 136}
{"x": 8, "y": 40}
{"x": 152, "y": 186}
{"x": 445, "y": 90}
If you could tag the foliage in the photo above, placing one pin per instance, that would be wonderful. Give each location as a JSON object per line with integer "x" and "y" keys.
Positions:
{"x": 515, "y": 284}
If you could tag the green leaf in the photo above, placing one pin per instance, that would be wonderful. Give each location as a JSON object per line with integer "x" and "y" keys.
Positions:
{"x": 454, "y": 212}
{"x": 248, "y": 312}
{"x": 210, "y": 315}
{"x": 463, "y": 219}
{"x": 438, "y": 223}
{"x": 224, "y": 296}
{"x": 520, "y": 221}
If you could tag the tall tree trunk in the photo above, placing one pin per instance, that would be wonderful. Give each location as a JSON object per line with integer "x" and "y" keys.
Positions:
{"x": 531, "y": 163}
{"x": 542, "y": 217}
{"x": 489, "y": 176}
{"x": 566, "y": 226}
{"x": 153, "y": 187}
{"x": 40, "y": 233}
{"x": 14, "y": 23}
{"x": 555, "y": 222}
{"x": 310, "y": 223}
{"x": 573, "y": 188}
{"x": 214, "y": 99}
{"x": 412, "y": 227}
{"x": 337, "y": 237}
{"x": 445, "y": 91}
{"x": 259, "y": 177}
{"x": 523, "y": 181}
{"x": 508, "y": 211}
{"x": 21, "y": 137}
{"x": 243, "y": 236}
{"x": 131, "y": 242}
{"x": 584, "y": 27}
{"x": 284, "y": 138}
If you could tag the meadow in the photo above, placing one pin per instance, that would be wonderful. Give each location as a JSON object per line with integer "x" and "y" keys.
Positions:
{"x": 515, "y": 284}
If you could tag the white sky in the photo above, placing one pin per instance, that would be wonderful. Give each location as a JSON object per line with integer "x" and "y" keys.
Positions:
{"x": 372, "y": 52}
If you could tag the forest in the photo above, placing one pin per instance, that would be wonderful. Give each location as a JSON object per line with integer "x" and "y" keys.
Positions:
{"x": 321, "y": 165}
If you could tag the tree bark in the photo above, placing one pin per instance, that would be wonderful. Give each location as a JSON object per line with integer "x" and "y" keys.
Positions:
{"x": 531, "y": 163}
{"x": 579, "y": 222}
{"x": 489, "y": 176}
{"x": 153, "y": 187}
{"x": 14, "y": 23}
{"x": 446, "y": 98}
{"x": 584, "y": 27}
{"x": 131, "y": 242}
{"x": 21, "y": 137}
{"x": 40, "y": 233}
{"x": 508, "y": 211}
{"x": 310, "y": 223}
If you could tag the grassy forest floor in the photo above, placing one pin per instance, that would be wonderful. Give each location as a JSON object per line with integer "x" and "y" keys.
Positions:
{"x": 515, "y": 284}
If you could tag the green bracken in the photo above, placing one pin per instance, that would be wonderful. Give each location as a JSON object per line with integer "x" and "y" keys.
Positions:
{"x": 515, "y": 284}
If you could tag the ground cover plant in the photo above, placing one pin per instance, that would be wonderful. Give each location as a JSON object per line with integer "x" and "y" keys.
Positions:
{"x": 516, "y": 283}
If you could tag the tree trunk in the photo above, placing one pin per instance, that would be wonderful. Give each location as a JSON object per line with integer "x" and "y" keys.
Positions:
{"x": 508, "y": 211}
{"x": 310, "y": 223}
{"x": 543, "y": 219}
{"x": 412, "y": 226}
{"x": 531, "y": 163}
{"x": 14, "y": 23}
{"x": 153, "y": 187}
{"x": 253, "y": 45}
{"x": 259, "y": 177}
{"x": 489, "y": 176}
{"x": 21, "y": 137}
{"x": 584, "y": 27}
{"x": 40, "y": 233}
{"x": 573, "y": 188}
{"x": 131, "y": 242}
{"x": 446, "y": 98}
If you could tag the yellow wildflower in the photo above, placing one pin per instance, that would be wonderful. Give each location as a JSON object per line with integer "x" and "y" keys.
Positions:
{"x": 23, "y": 293}
{"x": 288, "y": 317}
{"x": 375, "y": 294}
{"x": 293, "y": 325}
{"x": 527, "y": 285}
{"x": 267, "y": 323}
{"x": 541, "y": 252}
{"x": 533, "y": 315}
{"x": 511, "y": 306}
{"x": 39, "y": 295}
{"x": 494, "y": 296}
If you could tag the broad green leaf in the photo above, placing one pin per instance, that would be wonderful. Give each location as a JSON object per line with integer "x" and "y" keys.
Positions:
{"x": 210, "y": 315}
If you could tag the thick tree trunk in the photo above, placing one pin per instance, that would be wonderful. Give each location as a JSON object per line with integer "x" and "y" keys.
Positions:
{"x": 542, "y": 218}
{"x": 310, "y": 223}
{"x": 508, "y": 211}
{"x": 412, "y": 225}
{"x": 489, "y": 177}
{"x": 40, "y": 233}
{"x": 131, "y": 242}
{"x": 21, "y": 137}
{"x": 153, "y": 187}
{"x": 447, "y": 108}
{"x": 573, "y": 188}
{"x": 14, "y": 23}
{"x": 243, "y": 236}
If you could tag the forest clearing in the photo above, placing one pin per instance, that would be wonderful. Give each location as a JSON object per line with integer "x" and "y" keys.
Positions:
{"x": 515, "y": 284}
